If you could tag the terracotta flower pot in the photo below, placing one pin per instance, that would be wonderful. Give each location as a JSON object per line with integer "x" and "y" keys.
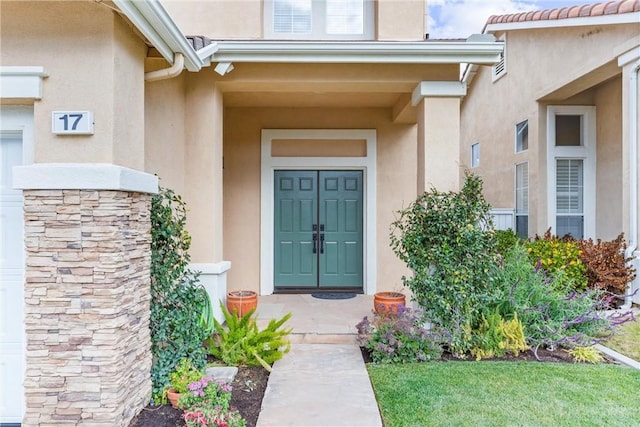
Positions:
{"x": 173, "y": 397}
{"x": 241, "y": 302}
{"x": 388, "y": 302}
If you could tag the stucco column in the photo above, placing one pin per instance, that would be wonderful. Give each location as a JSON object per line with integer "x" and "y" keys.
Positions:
{"x": 438, "y": 135}
{"x": 87, "y": 293}
{"x": 203, "y": 183}
{"x": 630, "y": 64}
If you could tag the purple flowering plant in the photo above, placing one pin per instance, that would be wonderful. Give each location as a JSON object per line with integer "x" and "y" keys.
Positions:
{"x": 398, "y": 338}
{"x": 208, "y": 392}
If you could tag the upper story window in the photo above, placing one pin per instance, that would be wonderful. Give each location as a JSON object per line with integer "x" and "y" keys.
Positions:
{"x": 475, "y": 155}
{"x": 522, "y": 136}
{"x": 319, "y": 19}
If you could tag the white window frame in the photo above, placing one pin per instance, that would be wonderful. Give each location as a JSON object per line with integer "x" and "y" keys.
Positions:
{"x": 586, "y": 152}
{"x": 499, "y": 69}
{"x": 518, "y": 213}
{"x": 475, "y": 155}
{"x": 518, "y": 140}
{"x": 318, "y": 24}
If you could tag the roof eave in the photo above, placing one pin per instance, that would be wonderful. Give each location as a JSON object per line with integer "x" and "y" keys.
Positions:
{"x": 621, "y": 18}
{"x": 153, "y": 21}
{"x": 358, "y": 52}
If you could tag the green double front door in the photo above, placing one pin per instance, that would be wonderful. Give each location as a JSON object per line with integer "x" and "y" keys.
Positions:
{"x": 318, "y": 230}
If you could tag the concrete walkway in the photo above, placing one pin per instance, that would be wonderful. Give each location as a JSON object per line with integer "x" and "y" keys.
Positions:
{"x": 322, "y": 381}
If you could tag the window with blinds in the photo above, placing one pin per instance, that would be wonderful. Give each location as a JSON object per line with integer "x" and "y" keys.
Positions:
{"x": 522, "y": 200}
{"x": 292, "y": 16}
{"x": 570, "y": 197}
{"x": 319, "y": 19}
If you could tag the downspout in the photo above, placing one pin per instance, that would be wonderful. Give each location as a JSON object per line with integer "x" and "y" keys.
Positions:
{"x": 167, "y": 73}
{"x": 633, "y": 171}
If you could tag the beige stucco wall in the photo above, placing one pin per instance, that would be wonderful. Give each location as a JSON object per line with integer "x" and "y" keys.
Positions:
{"x": 165, "y": 131}
{"x": 609, "y": 216}
{"x": 234, "y": 19}
{"x": 535, "y": 80}
{"x": 94, "y": 62}
{"x": 396, "y": 168}
{"x": 411, "y": 13}
{"x": 184, "y": 148}
{"x": 226, "y": 19}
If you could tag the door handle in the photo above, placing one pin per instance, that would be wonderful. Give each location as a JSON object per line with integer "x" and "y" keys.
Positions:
{"x": 315, "y": 237}
{"x": 321, "y": 238}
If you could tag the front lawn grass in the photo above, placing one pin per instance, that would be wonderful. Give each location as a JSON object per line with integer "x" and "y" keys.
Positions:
{"x": 627, "y": 341}
{"x": 506, "y": 394}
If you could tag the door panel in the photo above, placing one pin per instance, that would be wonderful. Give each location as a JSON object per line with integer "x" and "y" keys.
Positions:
{"x": 295, "y": 213}
{"x": 341, "y": 213}
{"x": 318, "y": 229}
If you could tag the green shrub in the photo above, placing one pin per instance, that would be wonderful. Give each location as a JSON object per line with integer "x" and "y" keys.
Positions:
{"x": 398, "y": 338}
{"x": 242, "y": 343}
{"x": 177, "y": 299}
{"x": 183, "y": 374}
{"x": 505, "y": 240}
{"x": 556, "y": 254}
{"x": 446, "y": 239}
{"x": 551, "y": 314}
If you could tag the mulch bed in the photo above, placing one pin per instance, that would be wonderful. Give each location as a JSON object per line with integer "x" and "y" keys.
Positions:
{"x": 250, "y": 384}
{"x": 541, "y": 355}
{"x": 248, "y": 389}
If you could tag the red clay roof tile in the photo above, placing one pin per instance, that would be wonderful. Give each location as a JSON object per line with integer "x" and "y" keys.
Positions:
{"x": 587, "y": 10}
{"x": 628, "y": 6}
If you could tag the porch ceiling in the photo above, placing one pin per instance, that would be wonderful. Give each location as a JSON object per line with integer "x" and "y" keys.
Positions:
{"x": 331, "y": 85}
{"x": 311, "y": 99}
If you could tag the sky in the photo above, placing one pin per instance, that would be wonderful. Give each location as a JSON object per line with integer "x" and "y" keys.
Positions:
{"x": 461, "y": 18}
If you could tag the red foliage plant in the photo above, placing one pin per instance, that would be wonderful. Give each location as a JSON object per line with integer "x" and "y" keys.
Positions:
{"x": 607, "y": 267}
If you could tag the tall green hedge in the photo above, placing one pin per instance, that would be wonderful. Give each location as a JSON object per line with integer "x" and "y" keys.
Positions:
{"x": 177, "y": 298}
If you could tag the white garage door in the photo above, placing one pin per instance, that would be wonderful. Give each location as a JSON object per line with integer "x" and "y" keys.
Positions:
{"x": 11, "y": 281}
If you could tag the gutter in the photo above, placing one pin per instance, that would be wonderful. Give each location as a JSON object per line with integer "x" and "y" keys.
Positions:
{"x": 484, "y": 51}
{"x": 167, "y": 73}
{"x": 161, "y": 31}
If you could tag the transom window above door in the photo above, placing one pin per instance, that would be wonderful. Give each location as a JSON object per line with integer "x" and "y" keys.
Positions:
{"x": 319, "y": 19}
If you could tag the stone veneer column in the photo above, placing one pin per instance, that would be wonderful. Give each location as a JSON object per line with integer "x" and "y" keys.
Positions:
{"x": 87, "y": 295}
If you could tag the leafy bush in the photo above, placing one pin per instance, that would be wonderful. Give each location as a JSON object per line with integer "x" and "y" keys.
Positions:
{"x": 606, "y": 266}
{"x": 495, "y": 337}
{"x": 206, "y": 392}
{"x": 183, "y": 374}
{"x": 242, "y": 343}
{"x": 551, "y": 314}
{"x": 176, "y": 297}
{"x": 505, "y": 240}
{"x": 586, "y": 355}
{"x": 556, "y": 254}
{"x": 398, "y": 338}
{"x": 447, "y": 240}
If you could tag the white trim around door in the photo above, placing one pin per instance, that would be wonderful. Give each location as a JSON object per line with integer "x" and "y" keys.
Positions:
{"x": 16, "y": 127}
{"x": 270, "y": 163}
